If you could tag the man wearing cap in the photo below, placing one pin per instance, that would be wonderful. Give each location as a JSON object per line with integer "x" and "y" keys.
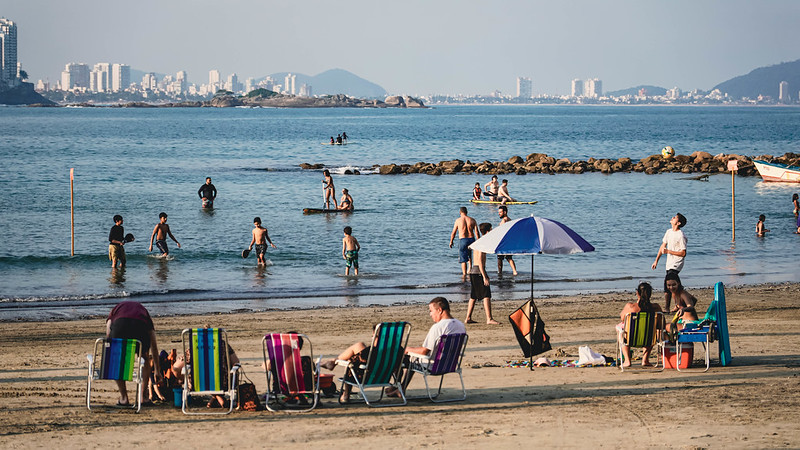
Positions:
{"x": 674, "y": 246}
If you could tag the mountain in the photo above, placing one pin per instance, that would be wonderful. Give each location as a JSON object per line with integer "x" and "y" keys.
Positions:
{"x": 764, "y": 81}
{"x": 651, "y": 90}
{"x": 335, "y": 81}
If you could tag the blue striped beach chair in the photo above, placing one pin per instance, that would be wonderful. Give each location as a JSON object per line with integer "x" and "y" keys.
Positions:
{"x": 119, "y": 360}
{"x": 445, "y": 358}
{"x": 640, "y": 330}
{"x": 383, "y": 363}
{"x": 208, "y": 369}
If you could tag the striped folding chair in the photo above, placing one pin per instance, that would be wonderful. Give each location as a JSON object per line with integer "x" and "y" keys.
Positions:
{"x": 641, "y": 330}
{"x": 291, "y": 374}
{"x": 445, "y": 358}
{"x": 208, "y": 368}
{"x": 116, "y": 359}
{"x": 383, "y": 363}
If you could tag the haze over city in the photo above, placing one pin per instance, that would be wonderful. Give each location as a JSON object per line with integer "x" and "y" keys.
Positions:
{"x": 417, "y": 47}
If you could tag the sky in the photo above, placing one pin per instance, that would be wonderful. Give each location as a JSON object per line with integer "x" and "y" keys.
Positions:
{"x": 417, "y": 47}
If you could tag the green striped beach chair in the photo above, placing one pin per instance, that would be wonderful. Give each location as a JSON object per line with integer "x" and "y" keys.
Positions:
{"x": 383, "y": 363}
{"x": 119, "y": 360}
{"x": 207, "y": 368}
{"x": 640, "y": 330}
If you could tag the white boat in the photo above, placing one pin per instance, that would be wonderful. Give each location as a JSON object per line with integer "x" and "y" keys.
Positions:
{"x": 777, "y": 172}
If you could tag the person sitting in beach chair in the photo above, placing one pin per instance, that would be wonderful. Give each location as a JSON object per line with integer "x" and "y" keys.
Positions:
{"x": 639, "y": 324}
{"x": 376, "y": 366}
{"x": 210, "y": 368}
{"x": 291, "y": 375}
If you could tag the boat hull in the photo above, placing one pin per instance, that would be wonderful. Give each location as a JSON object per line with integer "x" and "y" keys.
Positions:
{"x": 777, "y": 172}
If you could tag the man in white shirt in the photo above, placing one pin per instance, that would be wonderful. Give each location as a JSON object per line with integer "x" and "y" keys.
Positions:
{"x": 674, "y": 246}
{"x": 444, "y": 323}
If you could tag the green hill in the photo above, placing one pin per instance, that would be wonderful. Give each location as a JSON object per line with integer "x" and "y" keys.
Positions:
{"x": 764, "y": 81}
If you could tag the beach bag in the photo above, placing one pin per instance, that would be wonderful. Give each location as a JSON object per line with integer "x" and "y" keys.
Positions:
{"x": 521, "y": 323}
{"x": 246, "y": 395}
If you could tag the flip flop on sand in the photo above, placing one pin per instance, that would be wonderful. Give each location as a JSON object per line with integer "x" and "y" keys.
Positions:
{"x": 123, "y": 405}
{"x": 470, "y": 321}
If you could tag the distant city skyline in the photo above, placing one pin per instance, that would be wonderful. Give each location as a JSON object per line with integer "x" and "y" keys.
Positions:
{"x": 418, "y": 48}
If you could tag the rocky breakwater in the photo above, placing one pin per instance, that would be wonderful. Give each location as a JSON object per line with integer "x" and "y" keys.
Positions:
{"x": 697, "y": 163}
{"x": 275, "y": 100}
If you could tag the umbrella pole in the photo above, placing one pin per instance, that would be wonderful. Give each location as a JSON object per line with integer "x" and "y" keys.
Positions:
{"x": 530, "y": 318}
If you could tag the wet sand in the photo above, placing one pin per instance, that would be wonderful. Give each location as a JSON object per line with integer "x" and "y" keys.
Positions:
{"x": 751, "y": 404}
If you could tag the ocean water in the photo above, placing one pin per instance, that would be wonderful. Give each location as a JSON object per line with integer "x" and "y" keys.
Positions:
{"x": 139, "y": 162}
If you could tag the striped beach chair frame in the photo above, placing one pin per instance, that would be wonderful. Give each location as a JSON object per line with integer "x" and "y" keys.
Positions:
{"x": 640, "y": 330}
{"x": 205, "y": 368}
{"x": 383, "y": 363}
{"x": 282, "y": 352}
{"x": 448, "y": 352}
{"x": 116, "y": 359}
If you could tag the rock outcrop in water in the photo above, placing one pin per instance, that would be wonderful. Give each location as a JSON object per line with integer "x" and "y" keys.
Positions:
{"x": 697, "y": 163}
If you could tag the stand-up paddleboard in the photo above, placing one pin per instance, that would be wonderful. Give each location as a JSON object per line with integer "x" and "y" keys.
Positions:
{"x": 493, "y": 202}
{"x": 245, "y": 253}
{"x": 325, "y": 211}
{"x": 722, "y": 325}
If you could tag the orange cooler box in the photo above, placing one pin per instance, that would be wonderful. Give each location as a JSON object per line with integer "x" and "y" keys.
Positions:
{"x": 671, "y": 357}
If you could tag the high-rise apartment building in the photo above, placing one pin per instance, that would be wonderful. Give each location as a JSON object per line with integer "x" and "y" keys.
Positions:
{"x": 75, "y": 75}
{"x": 577, "y": 87}
{"x": 593, "y": 88}
{"x": 100, "y": 78}
{"x": 8, "y": 52}
{"x": 783, "y": 92}
{"x": 120, "y": 77}
{"x": 213, "y": 77}
{"x": 289, "y": 84}
{"x": 524, "y": 88}
{"x": 149, "y": 82}
{"x": 233, "y": 83}
{"x": 182, "y": 80}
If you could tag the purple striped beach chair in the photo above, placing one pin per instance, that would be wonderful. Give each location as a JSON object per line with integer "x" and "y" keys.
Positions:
{"x": 445, "y": 359}
{"x": 292, "y": 377}
{"x": 116, "y": 359}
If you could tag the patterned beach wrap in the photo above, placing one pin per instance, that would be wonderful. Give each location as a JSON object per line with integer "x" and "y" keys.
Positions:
{"x": 521, "y": 323}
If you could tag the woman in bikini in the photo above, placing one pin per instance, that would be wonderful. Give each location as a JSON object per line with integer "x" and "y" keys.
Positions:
{"x": 329, "y": 190}
{"x": 642, "y": 303}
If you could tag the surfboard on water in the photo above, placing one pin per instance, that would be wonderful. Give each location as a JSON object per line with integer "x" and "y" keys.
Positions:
{"x": 492, "y": 202}
{"x": 722, "y": 325}
{"x": 324, "y": 211}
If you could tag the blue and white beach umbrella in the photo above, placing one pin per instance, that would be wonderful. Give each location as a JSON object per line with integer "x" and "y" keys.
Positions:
{"x": 531, "y": 236}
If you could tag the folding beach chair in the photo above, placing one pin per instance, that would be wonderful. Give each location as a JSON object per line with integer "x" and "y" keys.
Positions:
{"x": 712, "y": 327}
{"x": 116, "y": 359}
{"x": 207, "y": 368}
{"x": 445, "y": 358}
{"x": 383, "y": 363}
{"x": 640, "y": 330}
{"x": 292, "y": 376}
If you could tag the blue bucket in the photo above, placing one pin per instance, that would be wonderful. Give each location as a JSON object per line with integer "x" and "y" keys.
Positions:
{"x": 177, "y": 397}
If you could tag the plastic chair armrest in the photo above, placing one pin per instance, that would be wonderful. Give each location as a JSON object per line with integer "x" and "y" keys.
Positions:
{"x": 420, "y": 357}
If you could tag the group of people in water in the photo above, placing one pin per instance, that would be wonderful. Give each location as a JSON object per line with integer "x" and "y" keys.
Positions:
{"x": 329, "y": 193}
{"x": 341, "y": 139}
{"x": 761, "y": 228}
{"x": 493, "y": 191}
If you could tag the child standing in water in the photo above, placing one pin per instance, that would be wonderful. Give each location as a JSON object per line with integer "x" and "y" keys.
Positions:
{"x": 329, "y": 190}
{"x": 350, "y": 248}
{"x": 760, "y": 230}
{"x": 160, "y": 233}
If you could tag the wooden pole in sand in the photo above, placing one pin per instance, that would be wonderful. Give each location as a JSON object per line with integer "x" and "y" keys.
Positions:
{"x": 733, "y": 166}
{"x": 72, "y": 209}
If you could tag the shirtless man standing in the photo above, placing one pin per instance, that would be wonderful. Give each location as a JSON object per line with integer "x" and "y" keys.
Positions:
{"x": 260, "y": 239}
{"x": 467, "y": 229}
{"x": 502, "y": 211}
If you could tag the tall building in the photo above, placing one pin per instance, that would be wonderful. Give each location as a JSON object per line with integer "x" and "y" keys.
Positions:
{"x": 75, "y": 75}
{"x": 233, "y": 83}
{"x": 289, "y": 84}
{"x": 100, "y": 78}
{"x": 213, "y": 77}
{"x": 593, "y": 88}
{"x": 149, "y": 82}
{"x": 306, "y": 91}
{"x": 182, "y": 81}
{"x": 524, "y": 88}
{"x": 783, "y": 92}
{"x": 8, "y": 52}
{"x": 120, "y": 77}
{"x": 577, "y": 87}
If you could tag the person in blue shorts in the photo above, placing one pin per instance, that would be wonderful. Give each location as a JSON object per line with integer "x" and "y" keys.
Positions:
{"x": 160, "y": 233}
{"x": 467, "y": 229}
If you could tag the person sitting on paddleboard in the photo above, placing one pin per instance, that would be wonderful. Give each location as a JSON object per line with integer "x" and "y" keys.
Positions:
{"x": 344, "y": 137}
{"x": 346, "y": 202}
{"x": 332, "y": 141}
{"x": 476, "y": 193}
{"x": 208, "y": 193}
{"x": 339, "y": 139}
{"x": 491, "y": 189}
{"x": 502, "y": 194}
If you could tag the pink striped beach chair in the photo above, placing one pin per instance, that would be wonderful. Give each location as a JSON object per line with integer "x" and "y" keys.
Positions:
{"x": 445, "y": 359}
{"x": 292, "y": 374}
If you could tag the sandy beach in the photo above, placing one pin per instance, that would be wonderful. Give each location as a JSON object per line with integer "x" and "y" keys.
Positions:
{"x": 749, "y": 404}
